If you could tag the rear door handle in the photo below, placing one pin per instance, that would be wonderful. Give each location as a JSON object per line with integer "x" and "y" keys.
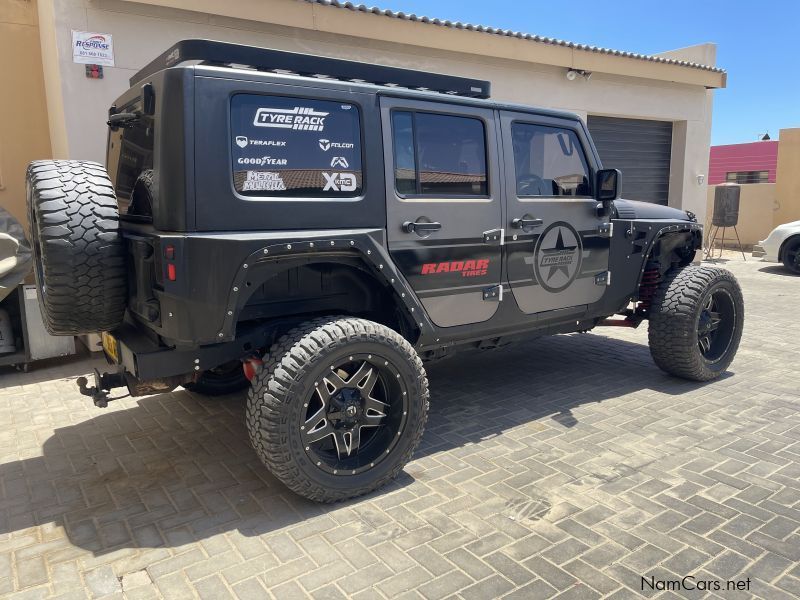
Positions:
{"x": 525, "y": 222}
{"x": 420, "y": 227}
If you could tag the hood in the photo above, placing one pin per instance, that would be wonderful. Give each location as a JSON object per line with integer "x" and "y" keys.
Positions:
{"x": 633, "y": 209}
{"x": 791, "y": 225}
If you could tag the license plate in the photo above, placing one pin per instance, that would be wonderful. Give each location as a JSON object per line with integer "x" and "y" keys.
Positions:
{"x": 110, "y": 346}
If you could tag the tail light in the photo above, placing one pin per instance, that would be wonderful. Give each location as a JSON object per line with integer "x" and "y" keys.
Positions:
{"x": 169, "y": 255}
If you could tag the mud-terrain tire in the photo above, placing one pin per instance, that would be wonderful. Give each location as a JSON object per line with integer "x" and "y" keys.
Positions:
{"x": 287, "y": 390}
{"x": 78, "y": 251}
{"x": 791, "y": 255}
{"x": 696, "y": 322}
{"x": 226, "y": 379}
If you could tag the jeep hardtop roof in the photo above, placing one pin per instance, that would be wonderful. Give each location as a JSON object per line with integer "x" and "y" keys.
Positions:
{"x": 215, "y": 58}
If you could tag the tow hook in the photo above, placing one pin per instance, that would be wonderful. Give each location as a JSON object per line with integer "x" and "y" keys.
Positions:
{"x": 103, "y": 384}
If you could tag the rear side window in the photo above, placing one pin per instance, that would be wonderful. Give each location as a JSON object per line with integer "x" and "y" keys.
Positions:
{"x": 439, "y": 155}
{"x": 549, "y": 161}
{"x": 295, "y": 147}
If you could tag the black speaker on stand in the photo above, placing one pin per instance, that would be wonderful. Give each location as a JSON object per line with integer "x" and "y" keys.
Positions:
{"x": 726, "y": 214}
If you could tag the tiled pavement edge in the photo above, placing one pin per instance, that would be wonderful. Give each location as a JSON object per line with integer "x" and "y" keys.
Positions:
{"x": 568, "y": 466}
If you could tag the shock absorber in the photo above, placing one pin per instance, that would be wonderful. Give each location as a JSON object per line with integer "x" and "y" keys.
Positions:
{"x": 647, "y": 288}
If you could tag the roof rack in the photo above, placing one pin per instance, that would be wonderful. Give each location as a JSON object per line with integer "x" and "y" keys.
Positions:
{"x": 226, "y": 54}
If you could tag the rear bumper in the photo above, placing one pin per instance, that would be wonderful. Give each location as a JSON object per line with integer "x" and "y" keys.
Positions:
{"x": 146, "y": 360}
{"x": 758, "y": 251}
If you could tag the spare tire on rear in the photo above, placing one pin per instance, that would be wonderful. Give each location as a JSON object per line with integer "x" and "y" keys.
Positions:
{"x": 78, "y": 251}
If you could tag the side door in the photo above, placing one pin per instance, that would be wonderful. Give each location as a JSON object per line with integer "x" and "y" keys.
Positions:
{"x": 443, "y": 205}
{"x": 557, "y": 246}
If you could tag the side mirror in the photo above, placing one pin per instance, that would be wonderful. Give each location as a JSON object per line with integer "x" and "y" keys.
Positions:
{"x": 607, "y": 185}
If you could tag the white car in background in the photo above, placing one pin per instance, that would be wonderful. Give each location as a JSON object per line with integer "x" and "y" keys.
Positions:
{"x": 782, "y": 245}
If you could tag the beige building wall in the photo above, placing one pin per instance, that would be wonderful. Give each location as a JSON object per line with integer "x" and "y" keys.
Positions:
{"x": 764, "y": 206}
{"x": 787, "y": 177}
{"x": 757, "y": 214}
{"x": 520, "y": 70}
{"x": 24, "y": 131}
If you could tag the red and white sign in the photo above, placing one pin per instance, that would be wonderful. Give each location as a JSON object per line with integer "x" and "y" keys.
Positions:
{"x": 92, "y": 48}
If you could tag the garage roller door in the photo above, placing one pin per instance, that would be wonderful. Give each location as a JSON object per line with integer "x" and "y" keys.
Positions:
{"x": 641, "y": 150}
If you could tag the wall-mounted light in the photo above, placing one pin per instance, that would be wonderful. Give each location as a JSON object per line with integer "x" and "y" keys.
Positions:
{"x": 700, "y": 178}
{"x": 573, "y": 74}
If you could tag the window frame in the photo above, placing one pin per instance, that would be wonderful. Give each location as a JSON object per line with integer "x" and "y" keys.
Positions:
{"x": 308, "y": 198}
{"x": 419, "y": 195}
{"x": 584, "y": 156}
{"x": 736, "y": 175}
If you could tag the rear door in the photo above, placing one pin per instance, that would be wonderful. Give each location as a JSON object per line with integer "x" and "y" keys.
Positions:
{"x": 443, "y": 206}
{"x": 557, "y": 246}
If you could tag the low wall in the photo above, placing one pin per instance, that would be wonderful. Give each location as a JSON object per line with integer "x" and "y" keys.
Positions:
{"x": 757, "y": 206}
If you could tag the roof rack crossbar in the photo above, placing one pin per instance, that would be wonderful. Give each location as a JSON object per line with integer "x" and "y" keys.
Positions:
{"x": 265, "y": 59}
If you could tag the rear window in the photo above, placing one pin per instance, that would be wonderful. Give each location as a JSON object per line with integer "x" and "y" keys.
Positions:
{"x": 439, "y": 155}
{"x": 285, "y": 146}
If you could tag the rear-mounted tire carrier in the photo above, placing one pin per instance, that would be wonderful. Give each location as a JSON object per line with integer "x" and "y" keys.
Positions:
{"x": 79, "y": 257}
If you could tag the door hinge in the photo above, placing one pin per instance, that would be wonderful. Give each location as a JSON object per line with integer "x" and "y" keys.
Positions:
{"x": 605, "y": 230}
{"x": 493, "y": 294}
{"x": 603, "y": 278}
{"x": 495, "y": 237}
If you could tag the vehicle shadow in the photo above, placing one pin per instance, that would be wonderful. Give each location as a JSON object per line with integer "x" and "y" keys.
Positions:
{"x": 778, "y": 270}
{"x": 178, "y": 462}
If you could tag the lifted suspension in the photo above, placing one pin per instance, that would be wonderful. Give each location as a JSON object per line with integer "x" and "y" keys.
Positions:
{"x": 647, "y": 289}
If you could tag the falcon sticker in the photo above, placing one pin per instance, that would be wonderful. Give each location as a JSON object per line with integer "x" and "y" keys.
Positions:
{"x": 558, "y": 255}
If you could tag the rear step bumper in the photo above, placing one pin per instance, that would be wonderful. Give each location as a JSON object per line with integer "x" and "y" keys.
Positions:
{"x": 145, "y": 367}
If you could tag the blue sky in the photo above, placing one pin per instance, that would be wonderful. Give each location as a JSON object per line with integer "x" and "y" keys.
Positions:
{"x": 757, "y": 44}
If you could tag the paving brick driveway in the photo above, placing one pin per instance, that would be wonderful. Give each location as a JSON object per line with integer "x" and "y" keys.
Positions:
{"x": 568, "y": 466}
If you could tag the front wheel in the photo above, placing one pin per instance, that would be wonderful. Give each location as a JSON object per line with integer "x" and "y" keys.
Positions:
{"x": 339, "y": 408}
{"x": 696, "y": 322}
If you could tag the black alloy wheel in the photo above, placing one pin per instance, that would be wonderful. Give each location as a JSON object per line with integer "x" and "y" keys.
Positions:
{"x": 338, "y": 408}
{"x": 355, "y": 415}
{"x": 791, "y": 256}
{"x": 715, "y": 325}
{"x": 696, "y": 322}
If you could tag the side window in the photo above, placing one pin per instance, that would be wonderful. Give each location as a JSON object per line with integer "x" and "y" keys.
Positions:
{"x": 549, "y": 161}
{"x": 439, "y": 155}
{"x": 295, "y": 147}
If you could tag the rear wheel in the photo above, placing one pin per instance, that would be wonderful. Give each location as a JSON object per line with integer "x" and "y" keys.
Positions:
{"x": 696, "y": 322}
{"x": 78, "y": 251}
{"x": 791, "y": 255}
{"x": 339, "y": 408}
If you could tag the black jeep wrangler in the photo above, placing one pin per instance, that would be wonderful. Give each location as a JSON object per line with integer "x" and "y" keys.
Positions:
{"x": 316, "y": 228}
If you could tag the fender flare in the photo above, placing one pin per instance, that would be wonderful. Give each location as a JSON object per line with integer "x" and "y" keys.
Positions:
{"x": 359, "y": 250}
{"x": 658, "y": 233}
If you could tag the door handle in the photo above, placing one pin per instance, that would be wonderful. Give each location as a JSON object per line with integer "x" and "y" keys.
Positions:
{"x": 420, "y": 227}
{"x": 525, "y": 222}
